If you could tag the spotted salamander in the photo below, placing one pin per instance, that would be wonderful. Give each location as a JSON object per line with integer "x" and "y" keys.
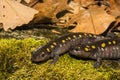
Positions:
{"x": 59, "y": 46}
{"x": 98, "y": 50}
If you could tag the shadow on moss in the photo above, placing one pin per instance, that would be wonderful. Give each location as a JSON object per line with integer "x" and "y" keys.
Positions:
{"x": 6, "y": 65}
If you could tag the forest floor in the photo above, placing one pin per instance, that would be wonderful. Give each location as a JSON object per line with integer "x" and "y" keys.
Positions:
{"x": 15, "y": 60}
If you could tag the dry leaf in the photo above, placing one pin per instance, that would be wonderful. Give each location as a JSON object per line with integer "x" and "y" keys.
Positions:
{"x": 1, "y": 25}
{"x": 75, "y": 7}
{"x": 49, "y": 9}
{"x": 14, "y": 14}
{"x": 90, "y": 16}
{"x": 95, "y": 20}
{"x": 113, "y": 8}
{"x": 62, "y": 5}
{"x": 27, "y": 1}
{"x": 86, "y": 2}
{"x": 45, "y": 11}
{"x": 56, "y": 32}
{"x": 17, "y": 0}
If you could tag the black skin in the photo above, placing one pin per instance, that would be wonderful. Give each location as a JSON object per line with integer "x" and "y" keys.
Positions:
{"x": 101, "y": 51}
{"x": 69, "y": 40}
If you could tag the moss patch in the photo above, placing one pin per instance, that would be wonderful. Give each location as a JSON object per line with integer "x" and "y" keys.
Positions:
{"x": 15, "y": 64}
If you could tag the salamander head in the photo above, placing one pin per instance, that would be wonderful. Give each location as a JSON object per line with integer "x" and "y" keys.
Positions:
{"x": 40, "y": 55}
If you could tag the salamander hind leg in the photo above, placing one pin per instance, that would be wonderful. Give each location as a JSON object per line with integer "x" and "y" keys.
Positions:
{"x": 98, "y": 62}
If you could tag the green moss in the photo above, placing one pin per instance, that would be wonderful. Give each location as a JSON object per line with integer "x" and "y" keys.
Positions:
{"x": 15, "y": 64}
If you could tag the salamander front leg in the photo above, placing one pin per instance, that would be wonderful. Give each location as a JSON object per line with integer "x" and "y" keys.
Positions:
{"x": 55, "y": 57}
{"x": 98, "y": 62}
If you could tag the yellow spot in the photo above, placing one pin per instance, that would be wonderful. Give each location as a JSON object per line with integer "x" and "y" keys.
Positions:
{"x": 90, "y": 35}
{"x": 69, "y": 38}
{"x": 103, "y": 45}
{"x": 48, "y": 49}
{"x": 109, "y": 42}
{"x": 85, "y": 34}
{"x": 86, "y": 49}
{"x": 114, "y": 42}
{"x": 52, "y": 46}
{"x": 93, "y": 46}
{"x": 63, "y": 41}
{"x": 42, "y": 53}
{"x": 78, "y": 47}
{"x": 87, "y": 46}
{"x": 80, "y": 35}
{"x": 66, "y": 38}
{"x": 74, "y": 36}
{"x": 54, "y": 43}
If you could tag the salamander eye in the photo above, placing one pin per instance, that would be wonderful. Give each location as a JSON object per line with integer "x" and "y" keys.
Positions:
{"x": 42, "y": 54}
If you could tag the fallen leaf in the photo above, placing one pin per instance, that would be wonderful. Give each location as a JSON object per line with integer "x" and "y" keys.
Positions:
{"x": 75, "y": 7}
{"x": 45, "y": 9}
{"x": 27, "y": 1}
{"x": 56, "y": 32}
{"x": 49, "y": 9}
{"x": 14, "y": 14}
{"x": 113, "y": 8}
{"x": 86, "y": 2}
{"x": 94, "y": 20}
{"x": 62, "y": 5}
{"x": 1, "y": 25}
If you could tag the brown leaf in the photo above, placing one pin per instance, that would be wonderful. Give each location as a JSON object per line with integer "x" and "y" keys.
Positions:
{"x": 56, "y": 32}
{"x": 1, "y": 25}
{"x": 45, "y": 11}
{"x": 114, "y": 8}
{"x": 50, "y": 8}
{"x": 14, "y": 14}
{"x": 94, "y": 20}
{"x": 61, "y": 6}
{"x": 86, "y": 2}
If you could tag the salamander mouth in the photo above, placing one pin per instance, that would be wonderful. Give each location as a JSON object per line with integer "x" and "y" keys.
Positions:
{"x": 37, "y": 59}
{"x": 73, "y": 51}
